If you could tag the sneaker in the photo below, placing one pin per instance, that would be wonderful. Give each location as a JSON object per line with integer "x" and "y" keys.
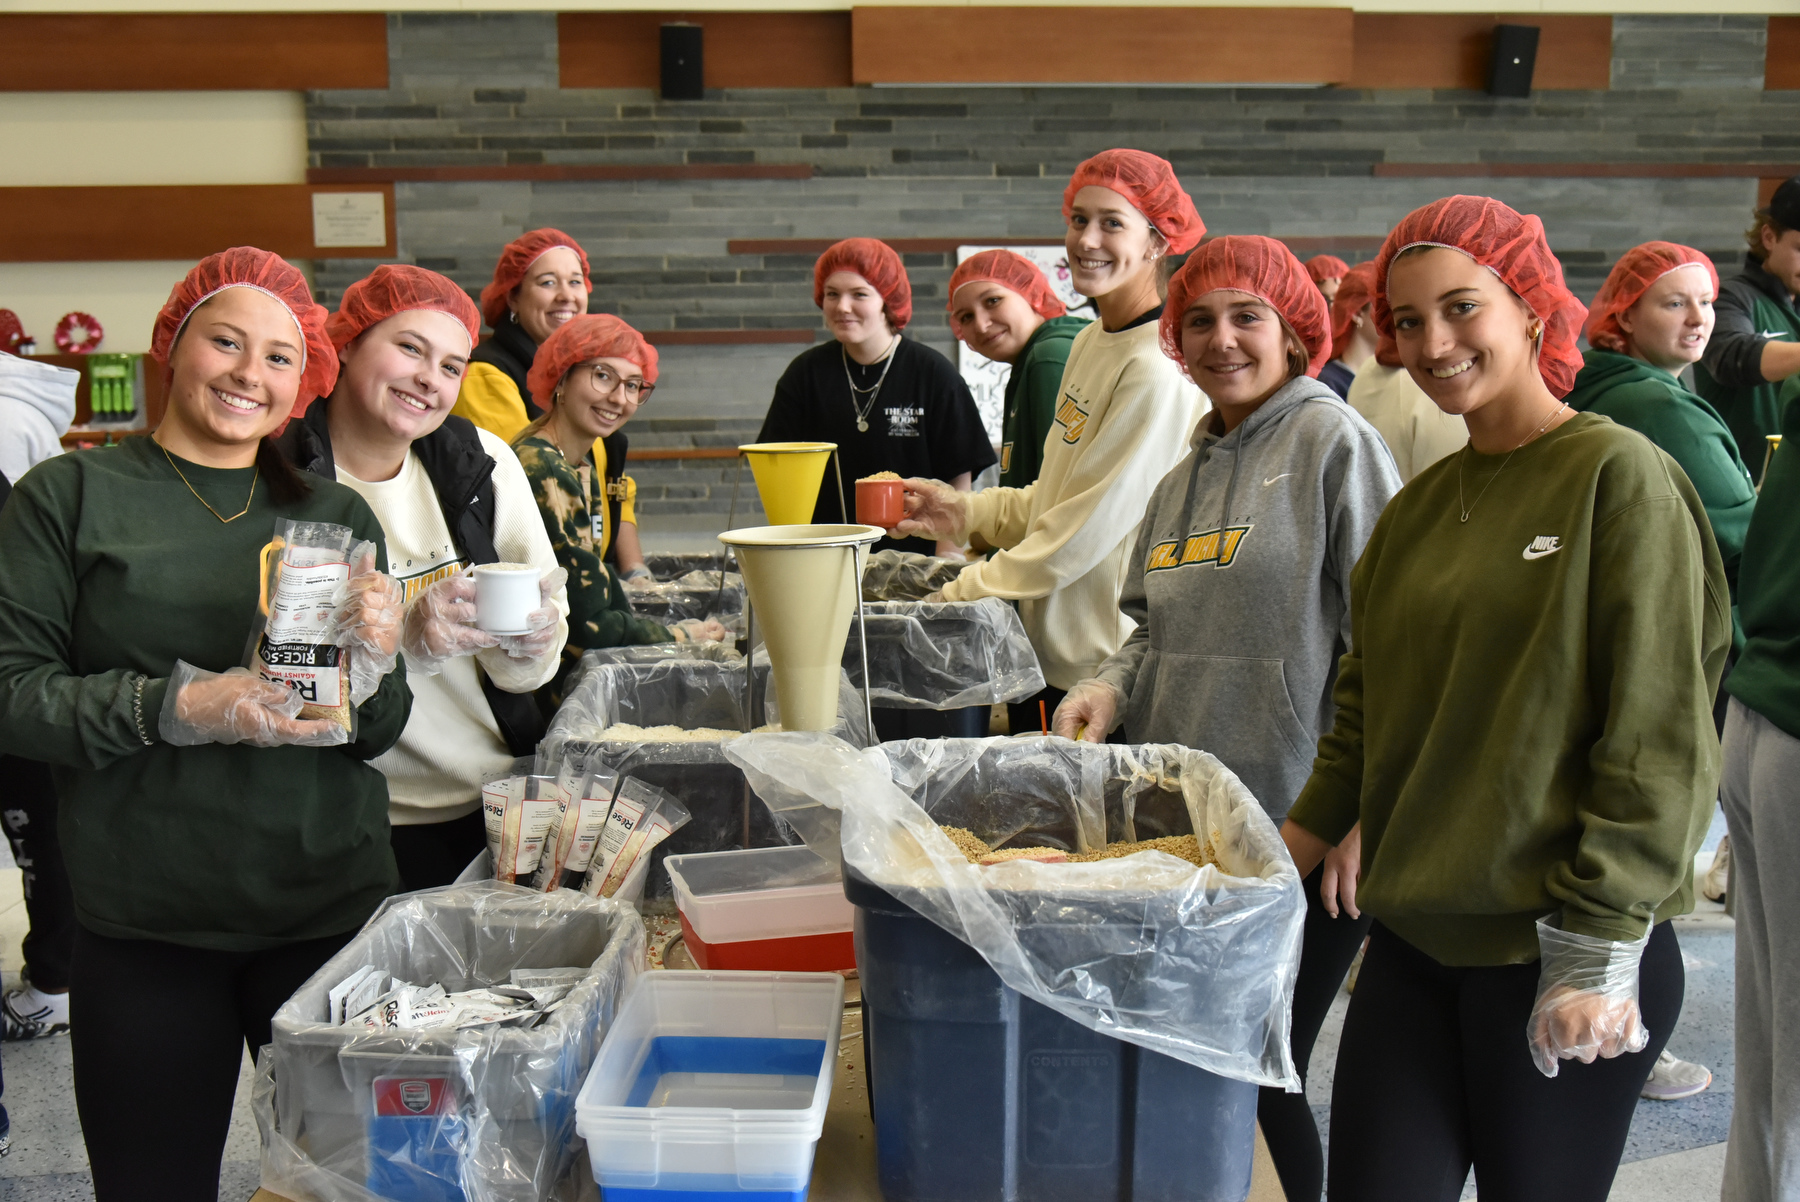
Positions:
{"x": 31, "y": 1014}
{"x": 1718, "y": 876}
{"x": 1672, "y": 1080}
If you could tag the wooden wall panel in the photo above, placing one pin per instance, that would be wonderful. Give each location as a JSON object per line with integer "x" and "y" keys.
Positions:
{"x": 1782, "y": 67}
{"x": 1100, "y": 45}
{"x": 192, "y": 52}
{"x": 742, "y": 49}
{"x": 1438, "y": 50}
{"x": 72, "y": 225}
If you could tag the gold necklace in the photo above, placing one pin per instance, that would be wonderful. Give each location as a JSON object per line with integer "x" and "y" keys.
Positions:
{"x": 254, "y": 477}
{"x": 1468, "y": 509}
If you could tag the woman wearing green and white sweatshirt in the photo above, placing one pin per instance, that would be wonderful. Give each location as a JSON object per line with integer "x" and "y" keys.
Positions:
{"x": 1524, "y": 730}
{"x": 1240, "y": 591}
{"x": 1123, "y": 420}
{"x": 220, "y": 847}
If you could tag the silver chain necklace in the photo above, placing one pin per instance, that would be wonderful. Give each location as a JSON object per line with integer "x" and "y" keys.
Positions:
{"x": 861, "y": 409}
{"x": 1467, "y": 509}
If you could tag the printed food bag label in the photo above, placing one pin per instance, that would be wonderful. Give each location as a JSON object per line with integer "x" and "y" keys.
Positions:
{"x": 518, "y": 823}
{"x": 306, "y": 574}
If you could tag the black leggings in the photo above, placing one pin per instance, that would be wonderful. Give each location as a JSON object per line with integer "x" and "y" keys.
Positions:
{"x": 429, "y": 854}
{"x": 28, "y": 806}
{"x": 158, "y": 1034}
{"x": 1287, "y": 1120}
{"x": 1433, "y": 1076}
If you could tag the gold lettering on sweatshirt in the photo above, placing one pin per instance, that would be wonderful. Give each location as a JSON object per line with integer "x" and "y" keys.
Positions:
{"x": 1072, "y": 418}
{"x": 1218, "y": 547}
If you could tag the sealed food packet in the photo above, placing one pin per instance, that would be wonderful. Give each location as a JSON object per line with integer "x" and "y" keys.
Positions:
{"x": 305, "y": 574}
{"x": 586, "y": 794}
{"x": 340, "y": 995}
{"x": 641, "y": 817}
{"x": 519, "y": 810}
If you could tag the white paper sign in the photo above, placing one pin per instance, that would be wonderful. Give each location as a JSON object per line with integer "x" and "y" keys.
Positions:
{"x": 987, "y": 378}
{"x": 349, "y": 219}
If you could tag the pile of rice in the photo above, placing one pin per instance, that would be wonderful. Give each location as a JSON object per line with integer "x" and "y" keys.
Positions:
{"x": 1182, "y": 847}
{"x": 625, "y": 732}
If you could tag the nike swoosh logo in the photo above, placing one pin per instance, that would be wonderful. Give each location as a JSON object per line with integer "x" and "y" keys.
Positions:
{"x": 1530, "y": 554}
{"x": 1272, "y": 479}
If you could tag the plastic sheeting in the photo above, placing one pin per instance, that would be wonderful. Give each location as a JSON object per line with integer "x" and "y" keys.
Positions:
{"x": 944, "y": 655}
{"x": 1195, "y": 963}
{"x": 907, "y": 575}
{"x": 692, "y": 594}
{"x": 486, "y": 1114}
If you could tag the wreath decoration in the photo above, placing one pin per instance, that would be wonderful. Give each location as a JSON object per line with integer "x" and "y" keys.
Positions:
{"x": 78, "y": 333}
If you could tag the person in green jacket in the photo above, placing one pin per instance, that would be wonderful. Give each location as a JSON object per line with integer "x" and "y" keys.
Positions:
{"x": 1651, "y": 319}
{"x": 1524, "y": 729}
{"x": 221, "y": 848}
{"x": 1002, "y": 307}
{"x": 1761, "y": 792}
{"x": 589, "y": 377}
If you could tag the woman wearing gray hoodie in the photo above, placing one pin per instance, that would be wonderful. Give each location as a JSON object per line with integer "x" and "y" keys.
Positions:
{"x": 1240, "y": 588}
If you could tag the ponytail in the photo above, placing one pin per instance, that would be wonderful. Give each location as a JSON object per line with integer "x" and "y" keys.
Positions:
{"x": 286, "y": 485}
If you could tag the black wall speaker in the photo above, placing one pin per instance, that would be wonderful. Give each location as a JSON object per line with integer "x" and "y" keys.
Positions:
{"x": 684, "y": 63}
{"x": 1509, "y": 72}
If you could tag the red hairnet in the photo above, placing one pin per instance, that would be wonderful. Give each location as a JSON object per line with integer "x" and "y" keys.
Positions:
{"x": 876, "y": 262}
{"x": 1630, "y": 278}
{"x": 588, "y": 336}
{"x": 1355, "y": 290}
{"x": 1512, "y": 246}
{"x": 1326, "y": 267}
{"x": 515, "y": 260}
{"x": 271, "y": 275}
{"x": 1266, "y": 270}
{"x": 1013, "y": 272}
{"x": 399, "y": 288}
{"x": 1150, "y": 185}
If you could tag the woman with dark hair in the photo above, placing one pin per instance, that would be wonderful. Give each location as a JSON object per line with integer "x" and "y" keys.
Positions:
{"x": 221, "y": 847}
{"x": 1524, "y": 731}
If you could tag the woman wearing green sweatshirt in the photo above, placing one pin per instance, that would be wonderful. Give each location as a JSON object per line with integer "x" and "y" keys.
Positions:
{"x": 220, "y": 847}
{"x": 1524, "y": 730}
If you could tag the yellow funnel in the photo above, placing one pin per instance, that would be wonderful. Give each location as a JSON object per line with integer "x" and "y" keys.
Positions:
{"x": 804, "y": 582}
{"x": 788, "y": 475}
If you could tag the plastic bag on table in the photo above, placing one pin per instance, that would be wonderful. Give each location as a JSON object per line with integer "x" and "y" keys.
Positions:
{"x": 907, "y": 575}
{"x": 485, "y": 1114}
{"x": 944, "y": 655}
{"x": 305, "y": 570}
{"x": 666, "y": 565}
{"x": 1195, "y": 963}
{"x": 701, "y": 595}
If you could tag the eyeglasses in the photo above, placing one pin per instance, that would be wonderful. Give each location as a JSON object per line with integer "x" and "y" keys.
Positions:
{"x": 606, "y": 382}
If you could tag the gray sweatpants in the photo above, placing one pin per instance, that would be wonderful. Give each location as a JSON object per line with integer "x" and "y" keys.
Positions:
{"x": 1761, "y": 790}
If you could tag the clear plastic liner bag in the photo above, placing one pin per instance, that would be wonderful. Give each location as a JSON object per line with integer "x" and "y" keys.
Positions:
{"x": 666, "y": 565}
{"x": 944, "y": 655}
{"x": 1587, "y": 999}
{"x": 1194, "y": 963}
{"x": 907, "y": 575}
{"x": 482, "y": 1113}
{"x": 718, "y": 595}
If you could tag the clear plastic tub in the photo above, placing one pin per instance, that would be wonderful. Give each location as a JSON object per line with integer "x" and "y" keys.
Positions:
{"x": 713, "y": 1083}
{"x": 771, "y": 908}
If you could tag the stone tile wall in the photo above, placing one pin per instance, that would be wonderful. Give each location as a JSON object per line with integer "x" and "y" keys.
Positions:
{"x": 1714, "y": 51}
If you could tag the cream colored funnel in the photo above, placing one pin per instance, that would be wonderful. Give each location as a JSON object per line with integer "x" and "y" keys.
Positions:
{"x": 804, "y": 583}
{"x": 788, "y": 475}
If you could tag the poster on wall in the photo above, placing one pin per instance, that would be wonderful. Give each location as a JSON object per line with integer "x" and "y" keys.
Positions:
{"x": 986, "y": 378}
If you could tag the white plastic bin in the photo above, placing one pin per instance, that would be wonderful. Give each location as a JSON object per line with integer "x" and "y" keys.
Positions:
{"x": 777, "y": 909}
{"x": 713, "y": 1083}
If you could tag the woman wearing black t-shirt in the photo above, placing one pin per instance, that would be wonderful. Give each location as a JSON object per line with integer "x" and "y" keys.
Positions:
{"x": 889, "y": 403}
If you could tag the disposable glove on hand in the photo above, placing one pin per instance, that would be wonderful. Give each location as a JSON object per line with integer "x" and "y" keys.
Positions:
{"x": 540, "y": 622}
{"x": 369, "y": 622}
{"x": 238, "y": 707}
{"x": 638, "y": 577}
{"x": 1092, "y": 704}
{"x": 933, "y": 510}
{"x": 693, "y": 630}
{"x": 1587, "y": 1002}
{"x": 440, "y": 625}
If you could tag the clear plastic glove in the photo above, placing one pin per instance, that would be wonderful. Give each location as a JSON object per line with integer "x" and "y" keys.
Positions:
{"x": 1343, "y": 870}
{"x": 693, "y": 630}
{"x": 638, "y": 577}
{"x": 238, "y": 707}
{"x": 936, "y": 597}
{"x": 369, "y": 622}
{"x": 1088, "y": 711}
{"x": 1587, "y": 1000}
{"x": 933, "y": 510}
{"x": 440, "y": 625}
{"x": 540, "y": 622}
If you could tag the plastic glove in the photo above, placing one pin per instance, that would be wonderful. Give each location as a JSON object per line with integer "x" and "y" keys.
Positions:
{"x": 440, "y": 625}
{"x": 238, "y": 707}
{"x": 1088, "y": 711}
{"x": 1343, "y": 869}
{"x": 1587, "y": 1002}
{"x": 541, "y": 622}
{"x": 935, "y": 597}
{"x": 933, "y": 510}
{"x": 368, "y": 622}
{"x": 638, "y": 577}
{"x": 693, "y": 630}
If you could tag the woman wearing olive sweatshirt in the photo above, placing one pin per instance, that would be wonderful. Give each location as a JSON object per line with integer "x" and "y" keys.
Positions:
{"x": 220, "y": 847}
{"x": 1524, "y": 731}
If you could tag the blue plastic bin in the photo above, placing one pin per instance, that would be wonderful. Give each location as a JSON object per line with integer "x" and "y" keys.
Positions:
{"x": 980, "y": 1095}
